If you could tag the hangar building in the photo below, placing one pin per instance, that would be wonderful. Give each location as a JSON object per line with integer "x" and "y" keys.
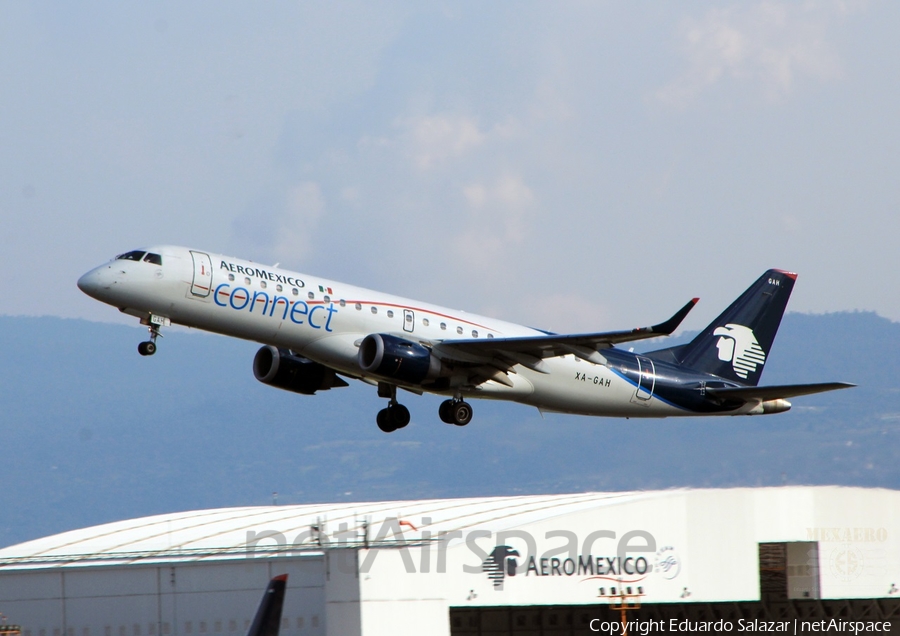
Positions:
{"x": 524, "y": 565}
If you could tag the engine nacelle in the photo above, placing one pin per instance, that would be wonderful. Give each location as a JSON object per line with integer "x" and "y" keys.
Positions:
{"x": 392, "y": 357}
{"x": 280, "y": 368}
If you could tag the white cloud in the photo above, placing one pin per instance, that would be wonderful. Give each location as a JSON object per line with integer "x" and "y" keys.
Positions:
{"x": 505, "y": 146}
{"x": 567, "y": 312}
{"x": 431, "y": 139}
{"x": 281, "y": 227}
{"x": 509, "y": 191}
{"x": 500, "y": 222}
{"x": 304, "y": 206}
{"x": 768, "y": 46}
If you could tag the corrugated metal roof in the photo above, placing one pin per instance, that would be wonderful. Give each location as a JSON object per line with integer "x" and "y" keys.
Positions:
{"x": 226, "y": 532}
{"x": 202, "y": 534}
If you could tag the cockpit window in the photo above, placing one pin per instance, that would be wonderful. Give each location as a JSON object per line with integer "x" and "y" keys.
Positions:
{"x": 131, "y": 256}
{"x": 156, "y": 259}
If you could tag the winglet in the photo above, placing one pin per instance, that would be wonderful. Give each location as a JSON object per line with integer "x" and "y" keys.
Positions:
{"x": 667, "y": 327}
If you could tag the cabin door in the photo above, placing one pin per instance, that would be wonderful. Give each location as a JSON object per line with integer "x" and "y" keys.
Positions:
{"x": 201, "y": 286}
{"x": 646, "y": 380}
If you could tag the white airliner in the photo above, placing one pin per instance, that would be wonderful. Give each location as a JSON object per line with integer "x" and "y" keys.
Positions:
{"x": 316, "y": 330}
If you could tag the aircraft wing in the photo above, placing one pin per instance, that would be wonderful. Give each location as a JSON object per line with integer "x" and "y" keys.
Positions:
{"x": 783, "y": 391}
{"x": 530, "y": 350}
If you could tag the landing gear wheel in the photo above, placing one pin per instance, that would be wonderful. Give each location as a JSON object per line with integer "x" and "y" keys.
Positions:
{"x": 461, "y": 413}
{"x": 445, "y": 412}
{"x": 399, "y": 415}
{"x": 385, "y": 421}
{"x": 147, "y": 348}
{"x": 395, "y": 415}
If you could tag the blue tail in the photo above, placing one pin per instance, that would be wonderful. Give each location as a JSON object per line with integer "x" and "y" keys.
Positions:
{"x": 268, "y": 616}
{"x": 735, "y": 345}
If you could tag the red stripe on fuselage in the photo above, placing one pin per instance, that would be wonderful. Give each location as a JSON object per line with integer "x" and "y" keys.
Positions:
{"x": 375, "y": 304}
{"x": 424, "y": 311}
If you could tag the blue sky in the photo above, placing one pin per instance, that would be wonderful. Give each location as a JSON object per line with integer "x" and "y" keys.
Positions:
{"x": 571, "y": 165}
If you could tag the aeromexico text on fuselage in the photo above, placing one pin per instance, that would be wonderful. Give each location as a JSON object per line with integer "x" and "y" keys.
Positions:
{"x": 261, "y": 273}
{"x": 299, "y": 311}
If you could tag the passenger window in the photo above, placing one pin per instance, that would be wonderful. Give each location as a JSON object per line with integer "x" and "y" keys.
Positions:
{"x": 278, "y": 288}
{"x": 246, "y": 281}
{"x": 474, "y": 333}
{"x": 231, "y": 277}
{"x": 390, "y": 313}
{"x": 443, "y": 326}
{"x": 343, "y": 303}
{"x": 131, "y": 256}
{"x": 327, "y": 299}
{"x": 358, "y": 306}
{"x": 262, "y": 284}
{"x": 459, "y": 330}
{"x": 154, "y": 259}
{"x": 424, "y": 322}
{"x": 374, "y": 309}
{"x": 490, "y": 335}
{"x": 310, "y": 295}
{"x": 295, "y": 291}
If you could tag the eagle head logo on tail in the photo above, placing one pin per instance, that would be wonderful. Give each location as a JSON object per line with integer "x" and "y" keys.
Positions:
{"x": 738, "y": 345}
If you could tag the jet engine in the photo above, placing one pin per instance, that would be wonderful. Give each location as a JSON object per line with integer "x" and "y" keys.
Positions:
{"x": 281, "y": 368}
{"x": 398, "y": 359}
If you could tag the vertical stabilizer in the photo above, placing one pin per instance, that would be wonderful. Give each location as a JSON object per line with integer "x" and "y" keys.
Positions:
{"x": 268, "y": 616}
{"x": 735, "y": 345}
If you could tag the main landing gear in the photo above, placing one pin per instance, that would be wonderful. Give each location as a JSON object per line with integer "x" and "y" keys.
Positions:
{"x": 148, "y": 348}
{"x": 395, "y": 415}
{"x": 455, "y": 411}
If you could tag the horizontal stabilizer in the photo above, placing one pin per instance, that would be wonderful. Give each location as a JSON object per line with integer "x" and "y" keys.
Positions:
{"x": 781, "y": 392}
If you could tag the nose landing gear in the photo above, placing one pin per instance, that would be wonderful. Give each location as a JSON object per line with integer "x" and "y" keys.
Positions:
{"x": 148, "y": 347}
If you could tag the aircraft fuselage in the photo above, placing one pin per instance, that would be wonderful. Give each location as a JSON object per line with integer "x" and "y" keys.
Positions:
{"x": 326, "y": 321}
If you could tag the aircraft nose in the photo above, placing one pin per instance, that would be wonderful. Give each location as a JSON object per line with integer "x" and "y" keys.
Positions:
{"x": 93, "y": 282}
